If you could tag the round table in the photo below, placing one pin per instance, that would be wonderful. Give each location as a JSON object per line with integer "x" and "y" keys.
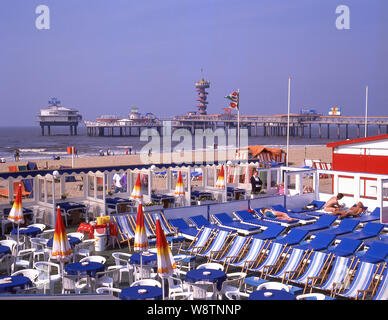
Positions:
{"x": 146, "y": 292}
{"x": 271, "y": 294}
{"x": 211, "y": 275}
{"x": 10, "y": 284}
{"x": 27, "y": 231}
{"x": 89, "y": 268}
{"x": 4, "y": 250}
{"x": 146, "y": 259}
{"x": 72, "y": 240}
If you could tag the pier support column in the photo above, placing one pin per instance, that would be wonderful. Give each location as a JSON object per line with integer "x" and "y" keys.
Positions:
{"x": 42, "y": 127}
{"x": 320, "y": 131}
{"x": 338, "y": 131}
{"x": 378, "y": 129}
{"x": 310, "y": 130}
{"x": 346, "y": 132}
{"x": 328, "y": 131}
{"x": 49, "y": 130}
{"x": 358, "y": 131}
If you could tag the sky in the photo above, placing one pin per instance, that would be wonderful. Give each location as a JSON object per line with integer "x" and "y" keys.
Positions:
{"x": 105, "y": 56}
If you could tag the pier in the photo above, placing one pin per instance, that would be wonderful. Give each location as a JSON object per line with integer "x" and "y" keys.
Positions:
{"x": 301, "y": 125}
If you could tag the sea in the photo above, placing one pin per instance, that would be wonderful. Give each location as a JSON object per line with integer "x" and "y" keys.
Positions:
{"x": 33, "y": 146}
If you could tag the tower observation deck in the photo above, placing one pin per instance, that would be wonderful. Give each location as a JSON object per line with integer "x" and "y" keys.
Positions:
{"x": 202, "y": 95}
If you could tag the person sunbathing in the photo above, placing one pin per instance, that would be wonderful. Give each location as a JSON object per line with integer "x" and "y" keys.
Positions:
{"x": 270, "y": 213}
{"x": 353, "y": 211}
{"x": 332, "y": 206}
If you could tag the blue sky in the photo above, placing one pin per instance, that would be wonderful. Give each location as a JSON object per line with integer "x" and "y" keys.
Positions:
{"x": 104, "y": 56}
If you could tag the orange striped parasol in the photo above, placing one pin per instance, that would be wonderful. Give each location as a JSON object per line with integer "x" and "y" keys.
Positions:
{"x": 16, "y": 213}
{"x": 61, "y": 249}
{"x": 141, "y": 240}
{"x": 166, "y": 263}
{"x": 136, "y": 192}
{"x": 221, "y": 179}
{"x": 179, "y": 188}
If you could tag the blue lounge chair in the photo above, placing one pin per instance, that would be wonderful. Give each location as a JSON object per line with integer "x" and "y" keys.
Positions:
{"x": 323, "y": 222}
{"x": 370, "y": 230}
{"x": 261, "y": 216}
{"x": 149, "y": 228}
{"x": 299, "y": 216}
{"x": 247, "y": 217}
{"x": 363, "y": 277}
{"x": 226, "y": 221}
{"x": 256, "y": 249}
{"x": 272, "y": 232}
{"x": 294, "y": 261}
{"x": 219, "y": 242}
{"x": 167, "y": 228}
{"x": 380, "y": 293}
{"x": 346, "y": 247}
{"x": 200, "y": 221}
{"x": 235, "y": 248}
{"x": 204, "y": 237}
{"x": 183, "y": 228}
{"x": 376, "y": 253}
{"x": 294, "y": 237}
{"x": 345, "y": 226}
{"x": 320, "y": 242}
{"x": 313, "y": 206}
{"x": 373, "y": 216}
{"x": 123, "y": 227}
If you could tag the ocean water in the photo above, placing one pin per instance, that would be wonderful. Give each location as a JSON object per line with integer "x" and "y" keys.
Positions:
{"x": 34, "y": 146}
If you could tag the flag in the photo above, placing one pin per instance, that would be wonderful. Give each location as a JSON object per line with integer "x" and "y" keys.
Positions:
{"x": 179, "y": 188}
{"x": 221, "y": 179}
{"x": 61, "y": 249}
{"x": 136, "y": 192}
{"x": 141, "y": 240}
{"x": 166, "y": 263}
{"x": 16, "y": 213}
{"x": 235, "y": 98}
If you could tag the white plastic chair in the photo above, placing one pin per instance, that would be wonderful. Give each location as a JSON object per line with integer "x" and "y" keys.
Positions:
{"x": 236, "y": 295}
{"x": 311, "y": 296}
{"x": 200, "y": 290}
{"x": 47, "y": 233}
{"x": 78, "y": 235}
{"x": 49, "y": 274}
{"x": 122, "y": 259}
{"x": 99, "y": 259}
{"x": 147, "y": 282}
{"x": 108, "y": 278}
{"x": 176, "y": 285}
{"x": 84, "y": 249}
{"x": 23, "y": 260}
{"x": 112, "y": 291}
{"x": 40, "y": 248}
{"x": 11, "y": 244}
{"x": 73, "y": 283}
{"x": 32, "y": 274}
{"x": 232, "y": 283}
{"x": 144, "y": 272}
{"x": 211, "y": 265}
{"x": 6, "y": 261}
{"x": 181, "y": 296}
{"x": 273, "y": 285}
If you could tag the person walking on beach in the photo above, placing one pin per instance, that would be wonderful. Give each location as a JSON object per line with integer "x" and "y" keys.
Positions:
{"x": 332, "y": 206}
{"x": 17, "y": 155}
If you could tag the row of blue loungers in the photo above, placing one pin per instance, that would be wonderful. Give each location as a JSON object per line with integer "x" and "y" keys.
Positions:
{"x": 342, "y": 260}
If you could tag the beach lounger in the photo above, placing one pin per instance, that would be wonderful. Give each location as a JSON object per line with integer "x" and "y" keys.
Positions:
{"x": 371, "y": 230}
{"x": 380, "y": 290}
{"x": 299, "y": 216}
{"x": 376, "y": 253}
{"x": 200, "y": 221}
{"x": 235, "y": 248}
{"x": 226, "y": 221}
{"x": 346, "y": 247}
{"x": 320, "y": 242}
{"x": 313, "y": 206}
{"x": 341, "y": 267}
{"x": 345, "y": 226}
{"x": 247, "y": 217}
{"x": 288, "y": 265}
{"x": 272, "y": 232}
{"x": 317, "y": 265}
{"x": 260, "y": 215}
{"x": 202, "y": 240}
{"x": 362, "y": 280}
{"x": 167, "y": 228}
{"x": 256, "y": 249}
{"x": 373, "y": 216}
{"x": 150, "y": 231}
{"x": 218, "y": 243}
{"x": 124, "y": 228}
{"x": 323, "y": 222}
{"x": 183, "y": 228}
{"x": 293, "y": 238}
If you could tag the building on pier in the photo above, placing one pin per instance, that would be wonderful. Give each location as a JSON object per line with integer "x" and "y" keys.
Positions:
{"x": 201, "y": 86}
{"x": 56, "y": 115}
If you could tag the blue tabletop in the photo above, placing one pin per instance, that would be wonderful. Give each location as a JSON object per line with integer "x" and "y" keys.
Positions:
{"x": 89, "y": 268}
{"x": 71, "y": 205}
{"x": 4, "y": 250}
{"x": 272, "y": 295}
{"x": 27, "y": 231}
{"x": 117, "y": 200}
{"x": 72, "y": 240}
{"x": 206, "y": 275}
{"x": 10, "y": 284}
{"x": 26, "y": 211}
{"x": 148, "y": 259}
{"x": 132, "y": 293}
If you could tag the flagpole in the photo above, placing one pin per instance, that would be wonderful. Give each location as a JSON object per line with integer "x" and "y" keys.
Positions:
{"x": 238, "y": 121}
{"x": 366, "y": 111}
{"x": 288, "y": 119}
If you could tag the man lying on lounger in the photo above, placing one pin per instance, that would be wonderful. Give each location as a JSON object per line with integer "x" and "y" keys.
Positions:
{"x": 332, "y": 206}
{"x": 270, "y": 213}
{"x": 353, "y": 211}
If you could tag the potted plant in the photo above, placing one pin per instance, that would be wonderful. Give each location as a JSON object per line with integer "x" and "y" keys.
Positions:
{"x": 153, "y": 205}
{"x": 206, "y": 200}
{"x": 64, "y": 196}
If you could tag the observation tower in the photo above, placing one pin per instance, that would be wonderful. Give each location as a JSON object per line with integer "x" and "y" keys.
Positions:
{"x": 202, "y": 95}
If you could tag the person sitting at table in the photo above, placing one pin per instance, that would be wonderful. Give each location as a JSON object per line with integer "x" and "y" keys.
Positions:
{"x": 270, "y": 213}
{"x": 332, "y": 206}
{"x": 256, "y": 183}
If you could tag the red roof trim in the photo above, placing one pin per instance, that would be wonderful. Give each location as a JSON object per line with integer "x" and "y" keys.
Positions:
{"x": 339, "y": 143}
